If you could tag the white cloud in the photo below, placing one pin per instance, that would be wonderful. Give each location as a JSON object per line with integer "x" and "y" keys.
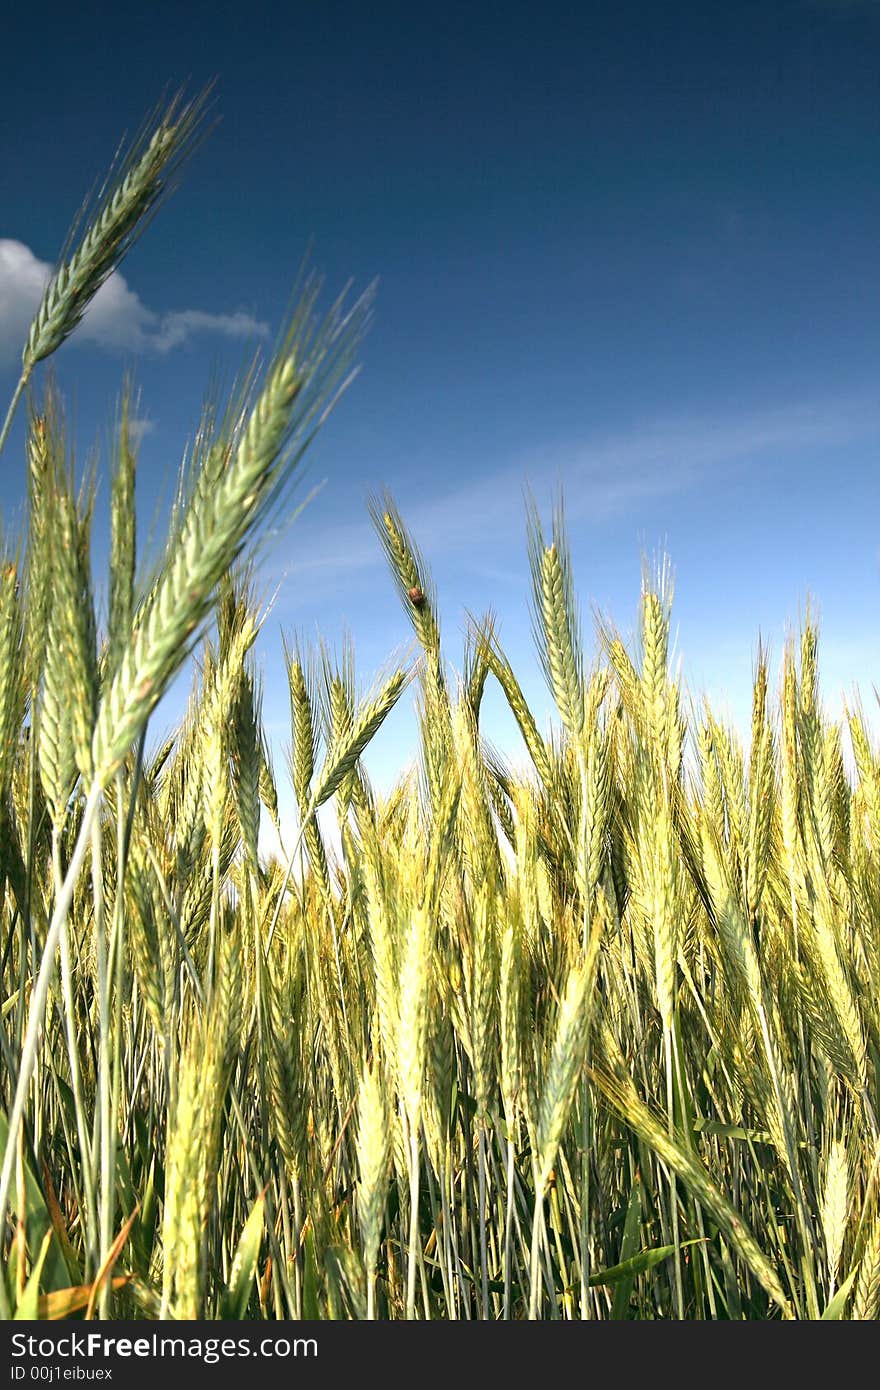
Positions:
{"x": 22, "y": 281}
{"x": 116, "y": 319}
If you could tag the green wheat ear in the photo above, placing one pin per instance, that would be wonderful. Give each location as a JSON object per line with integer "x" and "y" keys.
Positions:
{"x": 129, "y": 197}
{"x": 555, "y": 620}
{"x": 12, "y": 684}
{"x": 373, "y": 1159}
{"x": 260, "y": 454}
{"x": 121, "y": 213}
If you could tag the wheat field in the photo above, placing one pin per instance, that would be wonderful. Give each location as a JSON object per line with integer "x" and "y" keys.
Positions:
{"x": 599, "y": 1039}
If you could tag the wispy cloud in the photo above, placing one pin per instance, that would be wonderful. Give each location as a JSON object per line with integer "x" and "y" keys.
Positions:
{"x": 117, "y": 318}
{"x": 602, "y": 477}
{"x": 139, "y": 426}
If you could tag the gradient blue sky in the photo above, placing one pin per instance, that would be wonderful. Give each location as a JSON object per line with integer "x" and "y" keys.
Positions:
{"x": 628, "y": 248}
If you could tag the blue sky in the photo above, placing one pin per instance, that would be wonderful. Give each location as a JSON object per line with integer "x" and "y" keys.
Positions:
{"x": 630, "y": 249}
